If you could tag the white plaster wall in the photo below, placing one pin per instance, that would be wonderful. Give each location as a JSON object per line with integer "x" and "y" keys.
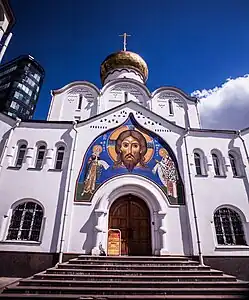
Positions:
{"x": 113, "y": 94}
{"x": 45, "y": 186}
{"x": 210, "y": 191}
{"x": 124, "y": 73}
{"x": 65, "y": 103}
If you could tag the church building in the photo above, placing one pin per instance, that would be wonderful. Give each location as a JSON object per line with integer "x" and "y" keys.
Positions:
{"x": 125, "y": 158}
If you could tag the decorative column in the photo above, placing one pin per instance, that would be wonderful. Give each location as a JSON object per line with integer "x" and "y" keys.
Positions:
{"x": 163, "y": 233}
{"x": 29, "y": 157}
{"x": 49, "y": 158}
{"x": 100, "y": 231}
{"x": 10, "y": 157}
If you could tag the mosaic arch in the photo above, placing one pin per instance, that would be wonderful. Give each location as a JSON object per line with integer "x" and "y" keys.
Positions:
{"x": 129, "y": 149}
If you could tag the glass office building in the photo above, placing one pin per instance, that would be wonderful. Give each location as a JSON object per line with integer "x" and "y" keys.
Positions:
{"x": 20, "y": 83}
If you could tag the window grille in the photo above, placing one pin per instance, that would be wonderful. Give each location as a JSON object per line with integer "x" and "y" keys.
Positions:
{"x": 26, "y": 221}
{"x": 228, "y": 227}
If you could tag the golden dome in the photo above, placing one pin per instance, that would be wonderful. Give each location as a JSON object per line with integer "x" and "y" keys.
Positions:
{"x": 124, "y": 59}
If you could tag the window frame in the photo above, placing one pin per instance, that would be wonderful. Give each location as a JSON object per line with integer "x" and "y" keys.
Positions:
{"x": 58, "y": 151}
{"x": 171, "y": 110}
{"x": 237, "y": 163}
{"x": 231, "y": 226}
{"x": 20, "y": 229}
{"x": 43, "y": 158}
{"x": 202, "y": 166}
{"x": 220, "y": 163}
{"x": 18, "y": 154}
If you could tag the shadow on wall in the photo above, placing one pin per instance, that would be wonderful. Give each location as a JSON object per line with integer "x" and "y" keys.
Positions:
{"x": 90, "y": 233}
{"x": 183, "y": 210}
{"x": 68, "y": 140}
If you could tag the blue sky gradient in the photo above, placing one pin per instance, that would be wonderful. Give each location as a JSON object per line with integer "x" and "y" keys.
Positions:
{"x": 188, "y": 44}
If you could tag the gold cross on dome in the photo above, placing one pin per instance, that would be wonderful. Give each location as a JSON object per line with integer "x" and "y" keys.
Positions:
{"x": 124, "y": 35}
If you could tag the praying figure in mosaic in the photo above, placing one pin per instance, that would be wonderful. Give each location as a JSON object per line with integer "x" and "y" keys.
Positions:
{"x": 93, "y": 170}
{"x": 165, "y": 168}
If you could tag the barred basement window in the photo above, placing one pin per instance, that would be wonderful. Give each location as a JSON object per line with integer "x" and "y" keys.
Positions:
{"x": 20, "y": 155}
{"x": 59, "y": 158}
{"x": 229, "y": 227}
{"x": 26, "y": 221}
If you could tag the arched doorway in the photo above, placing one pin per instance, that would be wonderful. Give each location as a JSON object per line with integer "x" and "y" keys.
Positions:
{"x": 131, "y": 215}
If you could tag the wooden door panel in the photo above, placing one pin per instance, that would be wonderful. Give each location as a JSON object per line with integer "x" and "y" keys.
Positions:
{"x": 131, "y": 216}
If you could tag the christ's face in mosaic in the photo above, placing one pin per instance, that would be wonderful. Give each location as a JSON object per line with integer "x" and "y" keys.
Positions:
{"x": 131, "y": 147}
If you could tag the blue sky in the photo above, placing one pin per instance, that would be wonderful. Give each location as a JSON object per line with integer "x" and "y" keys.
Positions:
{"x": 193, "y": 45}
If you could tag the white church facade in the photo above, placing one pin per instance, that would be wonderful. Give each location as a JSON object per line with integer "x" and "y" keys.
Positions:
{"x": 127, "y": 158}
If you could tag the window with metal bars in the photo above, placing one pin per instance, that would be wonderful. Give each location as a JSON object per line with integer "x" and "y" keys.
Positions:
{"x": 198, "y": 168}
{"x": 229, "y": 227}
{"x": 216, "y": 163}
{"x": 40, "y": 157}
{"x": 20, "y": 155}
{"x": 26, "y": 221}
{"x": 59, "y": 158}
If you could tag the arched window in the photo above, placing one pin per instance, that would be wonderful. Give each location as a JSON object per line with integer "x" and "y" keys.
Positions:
{"x": 216, "y": 163}
{"x": 198, "y": 167}
{"x": 26, "y": 221}
{"x": 20, "y": 155}
{"x": 40, "y": 156}
{"x": 234, "y": 164}
{"x": 59, "y": 157}
{"x": 229, "y": 227}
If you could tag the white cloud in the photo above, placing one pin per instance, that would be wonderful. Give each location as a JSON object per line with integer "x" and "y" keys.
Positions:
{"x": 227, "y": 106}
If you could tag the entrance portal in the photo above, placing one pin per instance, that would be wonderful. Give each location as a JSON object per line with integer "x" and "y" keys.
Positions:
{"x": 131, "y": 215}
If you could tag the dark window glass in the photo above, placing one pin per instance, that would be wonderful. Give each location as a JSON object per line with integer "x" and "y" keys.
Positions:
{"x": 26, "y": 221}
{"x": 80, "y": 102}
{"x": 20, "y": 155}
{"x": 233, "y": 165}
{"x": 228, "y": 227}
{"x": 40, "y": 157}
{"x": 170, "y": 107}
{"x": 216, "y": 164}
{"x": 197, "y": 159}
{"x": 59, "y": 158}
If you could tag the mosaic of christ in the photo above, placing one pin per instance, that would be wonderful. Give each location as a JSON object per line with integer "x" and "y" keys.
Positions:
{"x": 123, "y": 150}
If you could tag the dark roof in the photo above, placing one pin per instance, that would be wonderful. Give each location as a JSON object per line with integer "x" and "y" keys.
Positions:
{"x": 26, "y": 57}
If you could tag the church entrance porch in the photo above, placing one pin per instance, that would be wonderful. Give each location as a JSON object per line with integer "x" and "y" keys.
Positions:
{"x": 131, "y": 215}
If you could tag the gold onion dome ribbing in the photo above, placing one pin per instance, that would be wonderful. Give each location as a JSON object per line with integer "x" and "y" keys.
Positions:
{"x": 124, "y": 59}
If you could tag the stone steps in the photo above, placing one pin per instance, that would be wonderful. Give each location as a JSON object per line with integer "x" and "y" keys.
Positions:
{"x": 141, "y": 272}
{"x": 132, "y": 267}
{"x": 134, "y": 277}
{"x": 89, "y": 277}
{"x": 129, "y": 283}
{"x": 122, "y": 297}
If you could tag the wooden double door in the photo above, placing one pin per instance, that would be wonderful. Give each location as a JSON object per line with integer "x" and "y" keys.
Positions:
{"x": 131, "y": 215}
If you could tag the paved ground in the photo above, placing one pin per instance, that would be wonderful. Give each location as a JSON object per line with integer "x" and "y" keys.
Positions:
{"x": 6, "y": 281}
